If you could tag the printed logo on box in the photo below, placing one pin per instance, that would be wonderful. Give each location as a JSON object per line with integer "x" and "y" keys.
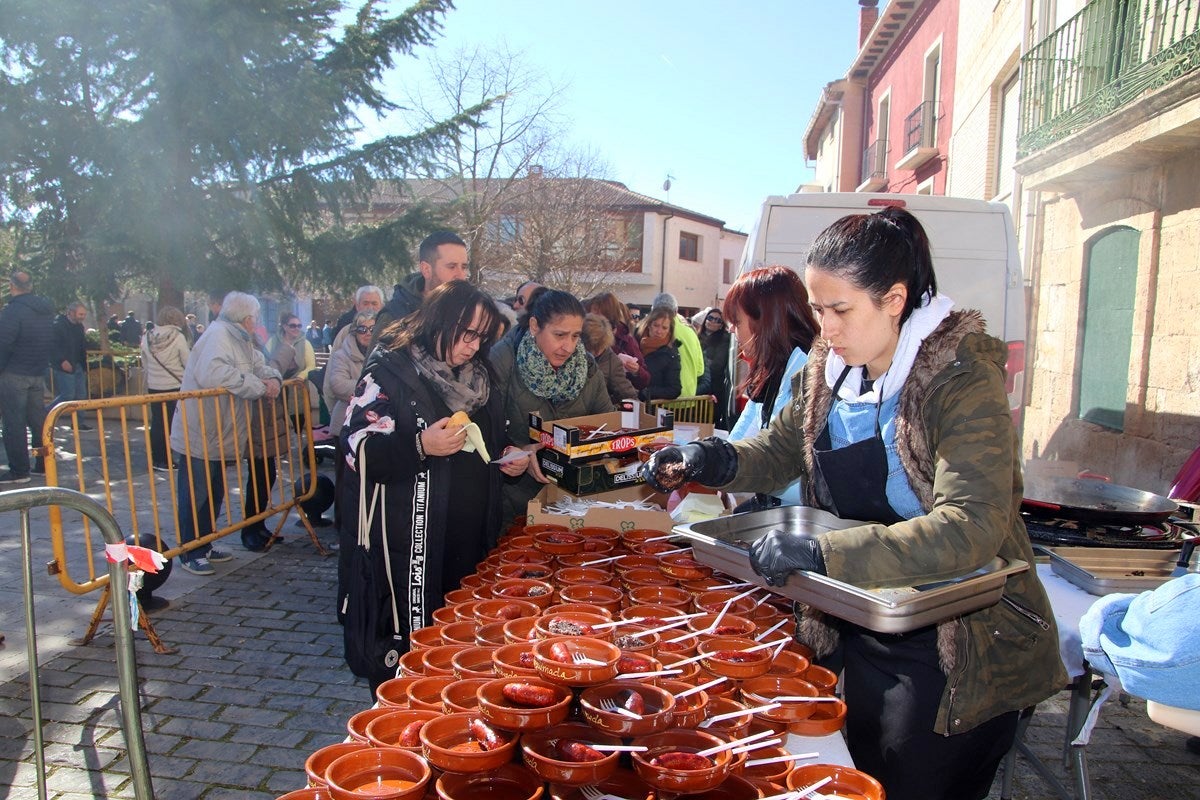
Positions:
{"x": 622, "y": 443}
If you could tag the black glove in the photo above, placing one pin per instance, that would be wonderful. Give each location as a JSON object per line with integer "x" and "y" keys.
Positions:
{"x": 711, "y": 462}
{"x": 778, "y": 554}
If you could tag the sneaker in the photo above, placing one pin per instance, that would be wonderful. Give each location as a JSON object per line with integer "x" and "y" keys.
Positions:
{"x": 196, "y": 566}
{"x": 38, "y": 468}
{"x": 218, "y": 556}
{"x": 162, "y": 467}
{"x": 9, "y": 477}
{"x": 83, "y": 426}
{"x": 255, "y": 541}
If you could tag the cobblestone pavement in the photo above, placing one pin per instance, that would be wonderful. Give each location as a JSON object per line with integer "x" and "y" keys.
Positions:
{"x": 258, "y": 684}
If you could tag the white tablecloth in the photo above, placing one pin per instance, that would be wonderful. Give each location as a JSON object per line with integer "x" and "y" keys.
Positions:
{"x": 1070, "y": 603}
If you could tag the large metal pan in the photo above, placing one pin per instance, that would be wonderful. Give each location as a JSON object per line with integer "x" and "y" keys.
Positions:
{"x": 1089, "y": 500}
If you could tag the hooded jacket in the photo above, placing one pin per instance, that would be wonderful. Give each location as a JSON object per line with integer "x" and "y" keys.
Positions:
{"x": 957, "y": 445}
{"x": 341, "y": 375}
{"x": 26, "y": 335}
{"x": 164, "y": 357}
{"x": 70, "y": 342}
{"x": 407, "y": 296}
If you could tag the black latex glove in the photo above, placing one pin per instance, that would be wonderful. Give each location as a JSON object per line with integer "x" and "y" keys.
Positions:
{"x": 711, "y": 462}
{"x": 778, "y": 554}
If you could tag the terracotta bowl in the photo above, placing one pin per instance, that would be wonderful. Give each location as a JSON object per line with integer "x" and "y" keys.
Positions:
{"x": 689, "y": 711}
{"x": 683, "y": 567}
{"x": 490, "y": 635}
{"x": 680, "y": 781}
{"x": 514, "y": 660}
{"x": 540, "y": 753}
{"x": 512, "y": 715}
{"x": 621, "y": 783}
{"x": 585, "y": 560}
{"x": 426, "y": 694}
{"x": 826, "y": 718}
{"x": 776, "y": 773}
{"x": 356, "y": 726}
{"x": 523, "y": 538}
{"x": 308, "y": 793}
{"x": 746, "y": 665}
{"x": 483, "y": 591}
{"x": 427, "y": 637}
{"x": 761, "y": 691}
{"x": 533, "y": 530}
{"x": 412, "y": 664}
{"x": 607, "y": 597}
{"x": 394, "y": 693}
{"x": 461, "y": 632}
{"x": 632, "y": 666}
{"x": 471, "y": 581}
{"x": 732, "y": 728}
{"x": 509, "y": 782}
{"x": 385, "y": 731}
{"x": 536, "y": 572}
{"x": 559, "y": 543}
{"x": 789, "y": 665}
{"x": 446, "y": 615}
{"x": 572, "y": 624}
{"x": 520, "y": 630}
{"x": 634, "y": 561}
{"x": 598, "y": 532}
{"x": 726, "y": 688}
{"x": 581, "y": 608}
{"x": 652, "y": 614}
{"x": 645, "y": 451}
{"x": 690, "y": 671}
{"x": 824, "y": 679}
{"x": 729, "y": 625}
{"x": 646, "y": 577}
{"x": 449, "y": 745}
{"x": 715, "y": 599}
{"x": 660, "y": 595}
{"x": 735, "y": 787}
{"x": 598, "y": 548}
{"x": 846, "y": 782}
{"x": 575, "y": 576}
{"x": 540, "y": 593}
{"x": 655, "y": 549}
{"x": 319, "y": 761}
{"x": 524, "y": 555}
{"x": 462, "y": 696}
{"x": 568, "y": 673}
{"x": 633, "y": 639}
{"x": 677, "y": 642}
{"x": 703, "y": 585}
{"x": 504, "y": 609}
{"x": 378, "y": 772}
{"x": 456, "y": 596}
{"x": 656, "y": 704}
{"x": 437, "y": 659}
{"x": 474, "y": 662}
{"x": 639, "y": 535}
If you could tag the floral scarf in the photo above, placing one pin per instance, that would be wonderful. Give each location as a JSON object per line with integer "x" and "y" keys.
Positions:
{"x": 556, "y": 385}
{"x": 463, "y": 389}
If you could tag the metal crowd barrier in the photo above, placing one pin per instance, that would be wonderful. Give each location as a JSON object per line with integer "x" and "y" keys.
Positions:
{"x": 23, "y": 500}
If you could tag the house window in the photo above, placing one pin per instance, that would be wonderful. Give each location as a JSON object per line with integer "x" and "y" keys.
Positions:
{"x": 1112, "y": 264}
{"x": 509, "y": 228}
{"x": 727, "y": 271}
{"x": 689, "y": 247}
{"x": 932, "y": 94}
{"x": 1006, "y": 142}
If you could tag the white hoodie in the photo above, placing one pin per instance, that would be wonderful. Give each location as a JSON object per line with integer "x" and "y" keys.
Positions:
{"x": 164, "y": 355}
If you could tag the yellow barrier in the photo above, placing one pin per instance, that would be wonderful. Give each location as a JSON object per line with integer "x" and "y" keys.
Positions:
{"x": 687, "y": 409}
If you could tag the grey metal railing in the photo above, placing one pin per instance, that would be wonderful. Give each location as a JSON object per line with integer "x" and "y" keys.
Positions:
{"x": 23, "y": 500}
{"x": 874, "y": 162}
{"x": 920, "y": 127}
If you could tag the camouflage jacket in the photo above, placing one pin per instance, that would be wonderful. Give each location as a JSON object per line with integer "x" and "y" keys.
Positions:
{"x": 958, "y": 447}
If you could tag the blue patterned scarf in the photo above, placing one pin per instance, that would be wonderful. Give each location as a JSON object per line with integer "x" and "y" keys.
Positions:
{"x": 556, "y": 385}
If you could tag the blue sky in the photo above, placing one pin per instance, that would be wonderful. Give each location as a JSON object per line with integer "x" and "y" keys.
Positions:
{"x": 717, "y": 94}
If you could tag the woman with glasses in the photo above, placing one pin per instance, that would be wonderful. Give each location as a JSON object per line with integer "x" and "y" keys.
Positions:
{"x": 291, "y": 332}
{"x": 438, "y": 505}
{"x": 344, "y": 366}
{"x": 714, "y": 343}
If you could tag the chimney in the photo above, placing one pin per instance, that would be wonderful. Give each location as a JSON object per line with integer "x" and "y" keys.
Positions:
{"x": 535, "y": 170}
{"x": 868, "y": 15}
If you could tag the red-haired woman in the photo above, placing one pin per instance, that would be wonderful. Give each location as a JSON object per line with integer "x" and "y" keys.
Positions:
{"x": 625, "y": 344}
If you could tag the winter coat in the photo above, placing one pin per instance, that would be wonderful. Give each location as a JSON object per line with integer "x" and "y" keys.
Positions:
{"x": 306, "y": 357}
{"x": 626, "y": 343}
{"x": 615, "y": 377}
{"x": 164, "y": 357}
{"x": 665, "y": 378}
{"x": 269, "y": 437}
{"x": 392, "y": 404}
{"x": 691, "y": 357}
{"x": 407, "y": 296}
{"x": 341, "y": 376}
{"x": 70, "y": 342}
{"x": 956, "y": 442}
{"x": 715, "y": 347}
{"x": 131, "y": 332}
{"x": 26, "y": 335}
{"x": 225, "y": 357}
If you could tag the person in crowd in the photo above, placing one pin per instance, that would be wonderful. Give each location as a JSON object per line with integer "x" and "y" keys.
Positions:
{"x": 442, "y": 258}
{"x": 26, "y": 336}
{"x": 440, "y": 509}
{"x": 635, "y": 314}
{"x": 625, "y": 344}
{"x": 291, "y": 332}
{"x": 131, "y": 330}
{"x": 598, "y": 341}
{"x": 691, "y": 357}
{"x": 515, "y": 332}
{"x": 215, "y": 298}
{"x": 191, "y": 329}
{"x": 327, "y": 334}
{"x": 366, "y": 298}
{"x": 901, "y": 421}
{"x": 341, "y": 376}
{"x": 165, "y": 353}
{"x": 315, "y": 337}
{"x": 113, "y": 325}
{"x": 226, "y": 357}
{"x": 714, "y": 343}
{"x": 68, "y": 358}
{"x": 520, "y": 303}
{"x": 545, "y": 369}
{"x": 768, "y": 308}
{"x": 660, "y": 345}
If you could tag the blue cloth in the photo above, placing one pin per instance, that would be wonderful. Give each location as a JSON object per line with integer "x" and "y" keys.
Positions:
{"x": 750, "y": 422}
{"x": 855, "y": 422}
{"x": 1150, "y": 641}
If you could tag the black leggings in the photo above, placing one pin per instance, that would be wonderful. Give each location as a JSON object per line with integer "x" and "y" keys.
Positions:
{"x": 893, "y": 687}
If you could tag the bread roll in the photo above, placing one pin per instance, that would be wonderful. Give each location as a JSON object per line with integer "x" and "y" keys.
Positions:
{"x": 460, "y": 419}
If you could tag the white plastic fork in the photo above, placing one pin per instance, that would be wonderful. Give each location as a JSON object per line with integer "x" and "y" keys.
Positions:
{"x": 616, "y": 623}
{"x": 592, "y": 793}
{"x": 581, "y": 659}
{"x": 610, "y": 705}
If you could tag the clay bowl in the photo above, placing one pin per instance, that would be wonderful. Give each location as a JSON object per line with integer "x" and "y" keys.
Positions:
{"x": 746, "y": 665}
{"x": 385, "y": 731}
{"x": 671, "y": 596}
{"x": 607, "y": 597}
{"x": 689, "y": 711}
{"x": 412, "y": 664}
{"x": 378, "y": 772}
{"x": 511, "y": 715}
{"x": 677, "y": 642}
{"x": 587, "y": 561}
{"x": 690, "y": 671}
{"x": 394, "y": 693}
{"x": 633, "y": 640}
{"x": 634, "y": 561}
{"x": 446, "y": 615}
{"x": 703, "y": 585}
{"x": 559, "y": 543}
{"x": 732, "y": 728}
{"x": 426, "y": 694}
{"x": 524, "y": 555}
{"x": 598, "y": 548}
{"x": 571, "y": 624}
{"x": 520, "y": 630}
{"x": 656, "y": 702}
{"x": 654, "y": 615}
{"x": 645, "y": 577}
{"x": 735, "y": 787}
{"x": 846, "y": 782}
{"x": 543, "y": 527}
{"x": 504, "y": 609}
{"x": 654, "y": 549}
{"x": 474, "y": 662}
{"x": 729, "y": 625}
{"x": 356, "y": 726}
{"x": 456, "y": 596}
{"x": 621, "y": 783}
{"x": 578, "y": 608}
{"x": 536, "y": 572}
{"x": 425, "y": 638}
{"x": 542, "y": 757}
{"x": 307, "y": 793}
{"x": 645, "y": 451}
{"x": 640, "y": 535}
{"x": 569, "y": 673}
{"x": 680, "y": 781}
{"x": 596, "y": 532}
{"x": 523, "y": 539}
{"x": 761, "y": 691}
{"x": 319, "y": 761}
{"x": 788, "y": 665}
{"x": 437, "y": 660}
{"x": 448, "y": 744}
{"x": 460, "y": 633}
{"x": 715, "y": 599}
{"x": 466, "y": 610}
{"x": 471, "y": 581}
{"x": 575, "y": 576}
{"x": 462, "y": 697}
{"x": 726, "y": 688}
{"x": 633, "y": 665}
{"x": 484, "y": 591}
{"x": 540, "y": 593}
{"x": 509, "y": 782}
{"x": 824, "y": 679}
{"x": 826, "y": 718}
{"x": 514, "y": 660}
{"x": 775, "y": 773}
{"x": 490, "y": 635}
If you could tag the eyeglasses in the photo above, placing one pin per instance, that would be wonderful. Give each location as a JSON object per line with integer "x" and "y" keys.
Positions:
{"x": 364, "y": 328}
{"x": 713, "y": 319}
{"x": 519, "y": 302}
{"x": 470, "y": 335}
{"x": 294, "y": 325}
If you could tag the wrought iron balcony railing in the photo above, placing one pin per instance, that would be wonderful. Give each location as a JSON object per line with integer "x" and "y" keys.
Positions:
{"x": 1107, "y": 55}
{"x": 920, "y": 127}
{"x": 874, "y": 163}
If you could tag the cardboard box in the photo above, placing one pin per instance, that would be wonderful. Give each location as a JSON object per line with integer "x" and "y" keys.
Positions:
{"x": 621, "y": 519}
{"x": 590, "y": 477}
{"x": 564, "y": 435}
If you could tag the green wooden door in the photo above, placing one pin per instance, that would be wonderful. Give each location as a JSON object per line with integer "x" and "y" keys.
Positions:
{"x": 1108, "y": 327}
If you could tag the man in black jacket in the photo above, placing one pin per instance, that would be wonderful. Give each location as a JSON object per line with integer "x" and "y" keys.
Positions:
{"x": 26, "y": 334}
{"x": 68, "y": 358}
{"x": 443, "y": 258}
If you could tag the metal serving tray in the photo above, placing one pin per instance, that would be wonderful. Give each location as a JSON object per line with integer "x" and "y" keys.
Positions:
{"x": 1104, "y": 570}
{"x": 723, "y": 543}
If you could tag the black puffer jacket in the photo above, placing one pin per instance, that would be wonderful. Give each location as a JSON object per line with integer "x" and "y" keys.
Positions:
{"x": 70, "y": 343}
{"x": 26, "y": 335}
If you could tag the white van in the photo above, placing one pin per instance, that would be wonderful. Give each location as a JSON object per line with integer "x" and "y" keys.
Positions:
{"x": 974, "y": 254}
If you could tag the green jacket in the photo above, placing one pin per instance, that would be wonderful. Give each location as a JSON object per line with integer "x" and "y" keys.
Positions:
{"x": 691, "y": 357}
{"x": 958, "y": 446}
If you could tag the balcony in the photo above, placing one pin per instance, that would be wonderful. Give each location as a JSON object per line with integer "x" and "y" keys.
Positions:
{"x": 874, "y": 167}
{"x": 1109, "y": 55}
{"x": 920, "y": 135}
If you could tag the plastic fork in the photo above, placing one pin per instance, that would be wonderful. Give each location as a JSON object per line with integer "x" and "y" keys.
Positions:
{"x": 610, "y": 705}
{"x": 731, "y": 714}
{"x": 700, "y": 688}
{"x": 755, "y": 745}
{"x": 756, "y": 762}
{"x": 615, "y": 623}
{"x": 581, "y": 659}
{"x": 745, "y": 740}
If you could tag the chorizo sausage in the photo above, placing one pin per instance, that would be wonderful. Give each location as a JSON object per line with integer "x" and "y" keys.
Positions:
{"x": 529, "y": 694}
{"x": 729, "y": 630}
{"x": 484, "y": 734}
{"x": 560, "y": 652}
{"x": 633, "y": 701}
{"x": 677, "y": 759}
{"x": 411, "y": 735}
{"x": 578, "y": 752}
{"x": 734, "y": 657}
{"x": 526, "y": 659}
{"x": 634, "y": 664}
{"x": 509, "y": 612}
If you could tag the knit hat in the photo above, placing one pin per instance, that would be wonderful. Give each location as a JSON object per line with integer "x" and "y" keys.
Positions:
{"x": 665, "y": 300}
